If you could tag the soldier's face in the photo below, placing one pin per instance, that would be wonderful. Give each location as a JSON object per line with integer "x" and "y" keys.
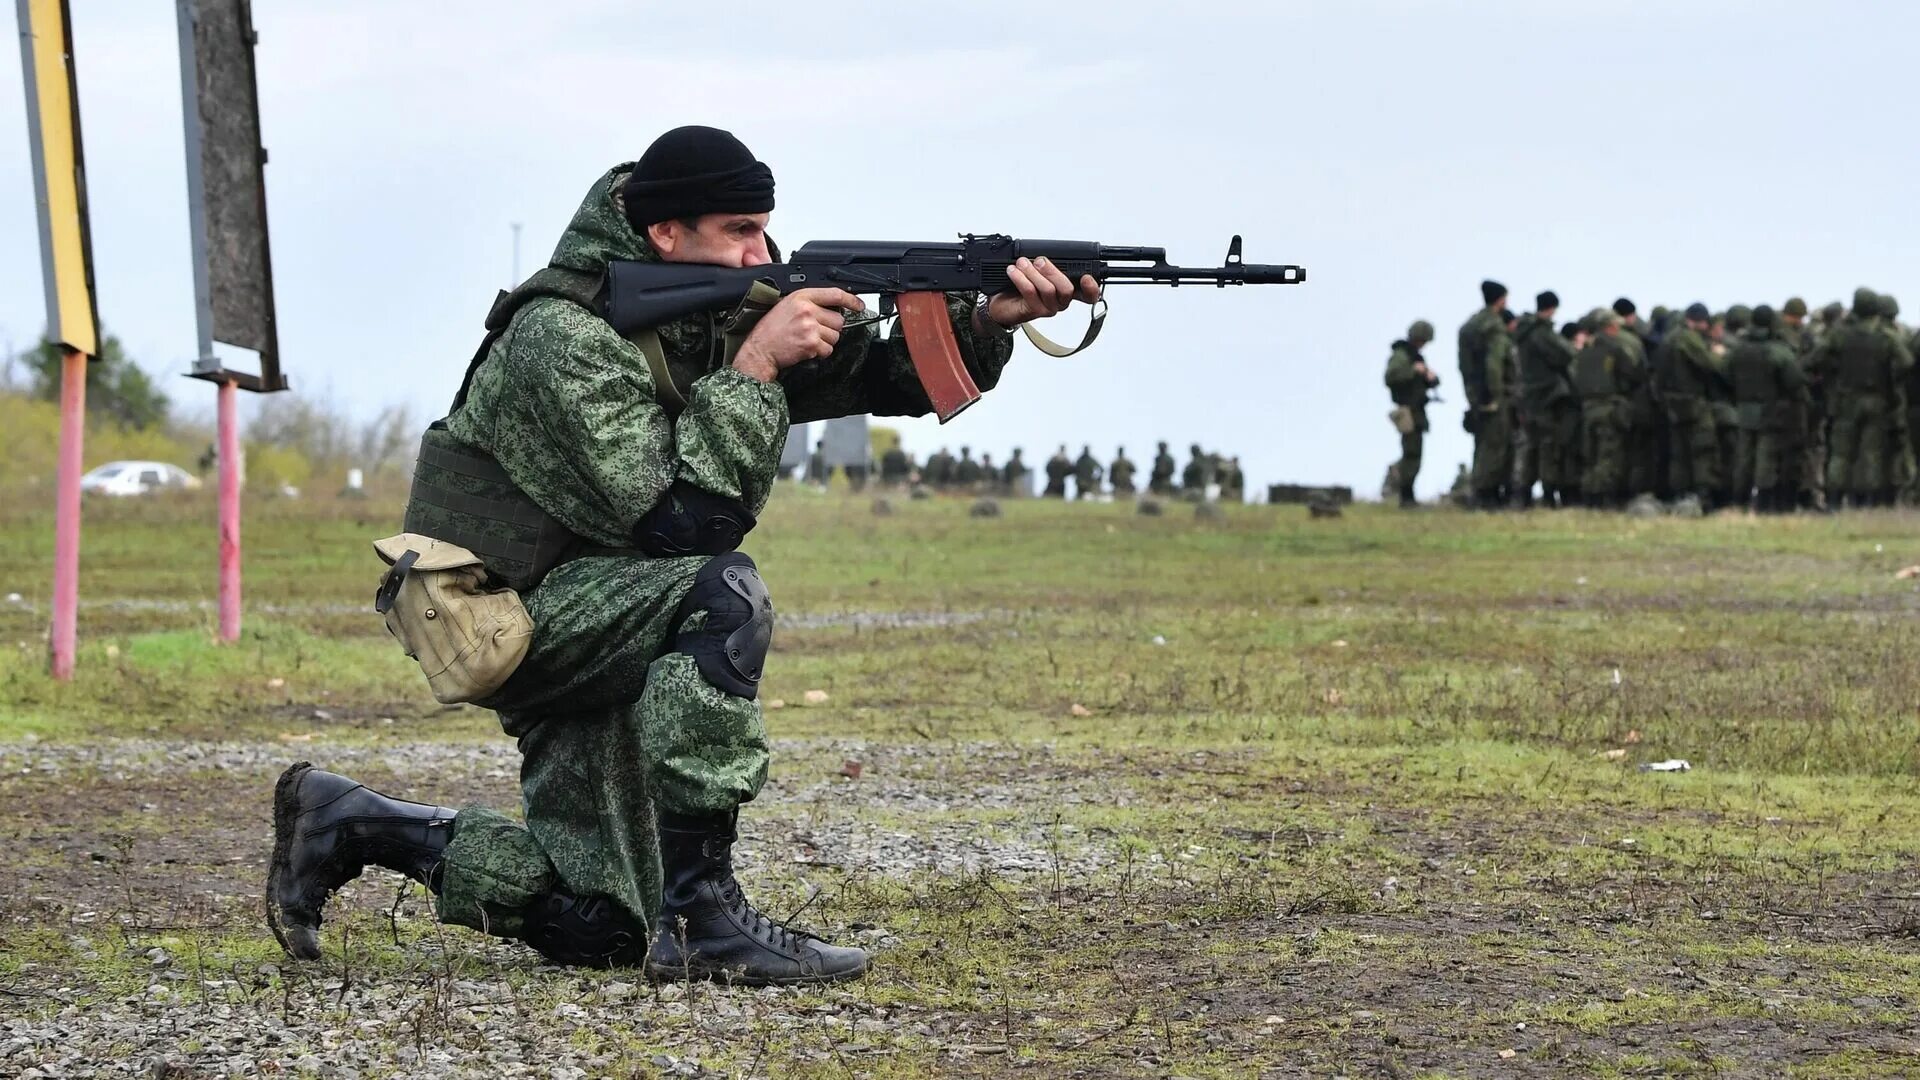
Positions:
{"x": 731, "y": 240}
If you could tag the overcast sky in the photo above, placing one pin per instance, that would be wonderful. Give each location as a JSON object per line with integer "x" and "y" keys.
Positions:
{"x": 1669, "y": 151}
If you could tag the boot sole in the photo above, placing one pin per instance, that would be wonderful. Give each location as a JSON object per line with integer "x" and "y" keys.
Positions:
{"x": 286, "y": 812}
{"x": 659, "y": 973}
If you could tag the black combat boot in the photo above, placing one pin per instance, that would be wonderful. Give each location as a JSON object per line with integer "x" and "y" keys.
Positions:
{"x": 588, "y": 931}
{"x": 708, "y": 929}
{"x": 326, "y": 829}
{"x": 1407, "y": 501}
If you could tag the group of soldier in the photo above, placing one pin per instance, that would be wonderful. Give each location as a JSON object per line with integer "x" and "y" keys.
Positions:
{"x": 1750, "y": 407}
{"x": 943, "y": 472}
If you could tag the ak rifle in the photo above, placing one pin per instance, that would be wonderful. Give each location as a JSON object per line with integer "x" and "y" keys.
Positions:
{"x": 912, "y": 280}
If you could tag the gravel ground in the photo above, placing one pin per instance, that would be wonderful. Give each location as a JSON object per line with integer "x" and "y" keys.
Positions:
{"x": 913, "y": 811}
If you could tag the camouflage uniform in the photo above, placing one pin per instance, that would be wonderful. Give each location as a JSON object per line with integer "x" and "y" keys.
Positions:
{"x": 1767, "y": 383}
{"x": 1643, "y": 435}
{"x": 1160, "y": 482}
{"x": 1120, "y": 473}
{"x": 1086, "y": 474}
{"x": 1686, "y": 370}
{"x": 1483, "y": 345}
{"x": 612, "y": 721}
{"x": 1550, "y": 413}
{"x": 1409, "y": 391}
{"x": 1861, "y": 365}
{"x": 966, "y": 471}
{"x": 1059, "y": 467}
{"x": 1606, "y": 375}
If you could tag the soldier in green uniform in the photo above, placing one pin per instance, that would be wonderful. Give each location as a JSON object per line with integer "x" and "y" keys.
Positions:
{"x": 895, "y": 467}
{"x": 1606, "y": 375}
{"x": 1409, "y": 380}
{"x": 610, "y": 481}
{"x": 1861, "y": 364}
{"x": 939, "y": 471}
{"x": 1013, "y": 478}
{"x": 1767, "y": 384}
{"x": 1197, "y": 475}
{"x": 1086, "y": 474}
{"x": 1687, "y": 369}
{"x": 1233, "y": 482}
{"x": 1120, "y": 473}
{"x": 1484, "y": 344}
{"x": 1723, "y": 335}
{"x": 1809, "y": 459}
{"x": 1161, "y": 480}
{"x": 966, "y": 471}
{"x": 1900, "y": 460}
{"x": 1549, "y": 410}
{"x": 1643, "y": 432}
{"x": 1059, "y": 467}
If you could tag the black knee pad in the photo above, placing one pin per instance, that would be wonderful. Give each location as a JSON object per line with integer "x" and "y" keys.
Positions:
{"x": 730, "y": 647}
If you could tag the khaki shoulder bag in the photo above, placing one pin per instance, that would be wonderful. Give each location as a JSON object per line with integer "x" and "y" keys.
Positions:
{"x": 436, "y": 597}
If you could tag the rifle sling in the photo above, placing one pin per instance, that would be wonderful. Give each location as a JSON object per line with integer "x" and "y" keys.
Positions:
{"x": 1051, "y": 348}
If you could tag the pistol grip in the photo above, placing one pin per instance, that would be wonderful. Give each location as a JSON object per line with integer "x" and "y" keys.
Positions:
{"x": 936, "y": 356}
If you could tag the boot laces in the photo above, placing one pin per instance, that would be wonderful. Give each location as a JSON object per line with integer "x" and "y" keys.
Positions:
{"x": 759, "y": 923}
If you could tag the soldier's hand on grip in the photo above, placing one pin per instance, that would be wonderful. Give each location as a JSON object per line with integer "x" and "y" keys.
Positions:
{"x": 802, "y": 326}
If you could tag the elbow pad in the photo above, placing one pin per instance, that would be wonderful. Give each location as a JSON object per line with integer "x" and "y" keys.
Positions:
{"x": 692, "y": 521}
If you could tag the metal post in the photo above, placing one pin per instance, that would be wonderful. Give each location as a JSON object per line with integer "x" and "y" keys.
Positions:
{"x": 204, "y": 360}
{"x": 229, "y": 513}
{"x": 66, "y": 514}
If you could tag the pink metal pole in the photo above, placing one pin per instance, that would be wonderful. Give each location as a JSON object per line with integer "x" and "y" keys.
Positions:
{"x": 66, "y": 514}
{"x": 229, "y": 514}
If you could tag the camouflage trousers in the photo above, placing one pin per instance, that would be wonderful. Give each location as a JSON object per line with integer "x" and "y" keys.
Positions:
{"x": 1858, "y": 447}
{"x": 1492, "y": 450}
{"x": 1605, "y": 423}
{"x": 1412, "y": 447}
{"x": 610, "y": 723}
{"x": 1693, "y": 465}
{"x": 1757, "y": 463}
{"x": 1547, "y": 449}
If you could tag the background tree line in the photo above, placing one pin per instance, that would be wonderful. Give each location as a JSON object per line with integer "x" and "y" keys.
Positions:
{"x": 292, "y": 439}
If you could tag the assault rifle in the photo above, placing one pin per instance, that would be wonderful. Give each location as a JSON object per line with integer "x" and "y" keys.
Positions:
{"x": 911, "y": 279}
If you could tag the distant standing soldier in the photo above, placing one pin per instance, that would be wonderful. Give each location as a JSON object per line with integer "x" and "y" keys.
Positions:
{"x": 1810, "y": 462}
{"x": 1059, "y": 467}
{"x": 939, "y": 471}
{"x": 1409, "y": 380}
{"x": 1492, "y": 436}
{"x": 1606, "y": 375}
{"x": 1900, "y": 463}
{"x": 1645, "y": 431}
{"x": 1233, "y": 482}
{"x": 1861, "y": 364}
{"x": 895, "y": 466}
{"x": 989, "y": 481}
{"x": 1686, "y": 369}
{"x": 1086, "y": 474}
{"x": 1014, "y": 476}
{"x": 1550, "y": 411}
{"x": 1120, "y": 473}
{"x": 1161, "y": 482}
{"x": 1767, "y": 381}
{"x": 1197, "y": 475}
{"x": 966, "y": 471}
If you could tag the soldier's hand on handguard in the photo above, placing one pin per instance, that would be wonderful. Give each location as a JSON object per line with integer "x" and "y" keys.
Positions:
{"x": 802, "y": 326}
{"x": 1039, "y": 290}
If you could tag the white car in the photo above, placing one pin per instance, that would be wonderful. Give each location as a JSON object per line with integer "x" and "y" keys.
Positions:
{"x": 137, "y": 478}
